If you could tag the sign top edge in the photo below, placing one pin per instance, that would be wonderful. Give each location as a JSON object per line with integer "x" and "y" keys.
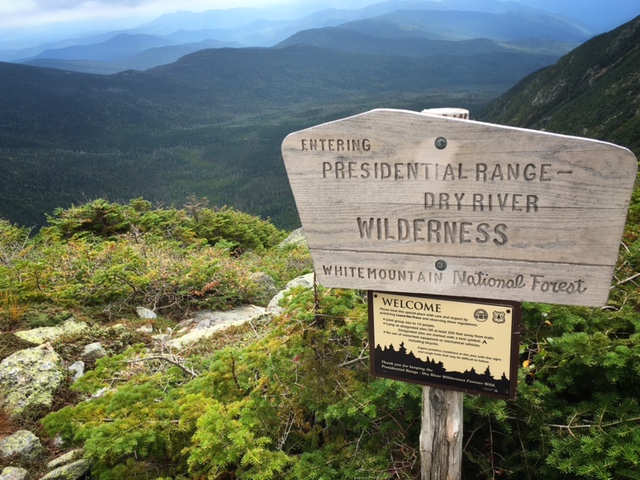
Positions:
{"x": 410, "y": 113}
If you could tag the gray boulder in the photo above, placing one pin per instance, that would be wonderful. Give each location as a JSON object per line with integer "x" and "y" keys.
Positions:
{"x": 93, "y": 351}
{"x": 305, "y": 281}
{"x": 77, "y": 369}
{"x": 28, "y": 380}
{"x": 70, "y": 456}
{"x": 208, "y": 322}
{"x": 72, "y": 471}
{"x": 265, "y": 282}
{"x": 38, "y": 336}
{"x": 295, "y": 238}
{"x": 145, "y": 313}
{"x": 23, "y": 446}
{"x": 145, "y": 329}
{"x": 13, "y": 473}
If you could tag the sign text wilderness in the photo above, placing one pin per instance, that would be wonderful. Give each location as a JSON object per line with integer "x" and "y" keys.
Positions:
{"x": 436, "y": 231}
{"x": 397, "y": 200}
{"x": 424, "y": 229}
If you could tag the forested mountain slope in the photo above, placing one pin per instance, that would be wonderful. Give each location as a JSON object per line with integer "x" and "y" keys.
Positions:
{"x": 209, "y": 124}
{"x": 593, "y": 91}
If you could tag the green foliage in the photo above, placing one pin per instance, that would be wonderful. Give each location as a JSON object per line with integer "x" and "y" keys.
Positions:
{"x": 14, "y": 243}
{"x": 113, "y": 256}
{"x": 196, "y": 223}
{"x": 298, "y": 403}
{"x": 240, "y": 230}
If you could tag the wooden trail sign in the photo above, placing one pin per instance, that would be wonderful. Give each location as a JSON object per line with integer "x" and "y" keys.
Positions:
{"x": 394, "y": 200}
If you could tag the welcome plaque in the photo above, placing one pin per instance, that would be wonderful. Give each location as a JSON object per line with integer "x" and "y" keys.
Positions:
{"x": 395, "y": 200}
{"x": 465, "y": 345}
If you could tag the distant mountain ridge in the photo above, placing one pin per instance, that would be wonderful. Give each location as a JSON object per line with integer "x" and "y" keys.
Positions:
{"x": 463, "y": 25}
{"x": 599, "y": 16}
{"x": 146, "y": 56}
{"x": 347, "y": 40}
{"x": 451, "y": 20}
{"x": 114, "y": 48}
{"x": 593, "y": 91}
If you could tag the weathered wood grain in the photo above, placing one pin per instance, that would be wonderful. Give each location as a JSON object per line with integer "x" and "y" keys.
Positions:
{"x": 441, "y": 434}
{"x": 375, "y": 192}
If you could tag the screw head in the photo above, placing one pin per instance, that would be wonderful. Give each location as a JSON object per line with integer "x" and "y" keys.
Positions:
{"x": 441, "y": 265}
{"x": 441, "y": 143}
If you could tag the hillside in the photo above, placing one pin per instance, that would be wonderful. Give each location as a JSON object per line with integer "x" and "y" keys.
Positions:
{"x": 143, "y": 60}
{"x": 209, "y": 124}
{"x": 593, "y": 91}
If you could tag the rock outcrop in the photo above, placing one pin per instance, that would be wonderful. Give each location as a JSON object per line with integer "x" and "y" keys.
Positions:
{"x": 14, "y": 473}
{"x": 305, "y": 281}
{"x": 23, "y": 447}
{"x": 206, "y": 323}
{"x": 38, "y": 336}
{"x": 28, "y": 380}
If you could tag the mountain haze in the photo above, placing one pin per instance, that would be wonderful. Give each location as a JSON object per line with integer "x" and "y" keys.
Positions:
{"x": 599, "y": 16}
{"x": 144, "y": 59}
{"x": 347, "y": 40}
{"x": 160, "y": 40}
{"x": 461, "y": 25}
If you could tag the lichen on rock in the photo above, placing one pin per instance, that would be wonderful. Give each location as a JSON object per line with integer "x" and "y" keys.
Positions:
{"x": 28, "y": 381}
{"x": 38, "y": 336}
{"x": 22, "y": 445}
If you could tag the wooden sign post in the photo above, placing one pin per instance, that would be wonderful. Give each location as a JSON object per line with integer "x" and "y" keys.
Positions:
{"x": 399, "y": 201}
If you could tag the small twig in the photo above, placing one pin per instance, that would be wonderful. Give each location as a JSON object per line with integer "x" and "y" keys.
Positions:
{"x": 491, "y": 455}
{"x": 233, "y": 372}
{"x": 172, "y": 361}
{"x": 625, "y": 247}
{"x": 599, "y": 425}
{"x": 355, "y": 360}
{"x": 626, "y": 280}
{"x": 470, "y": 437}
{"x": 287, "y": 431}
{"x": 255, "y": 330}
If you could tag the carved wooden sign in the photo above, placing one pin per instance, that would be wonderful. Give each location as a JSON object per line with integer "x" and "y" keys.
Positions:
{"x": 394, "y": 200}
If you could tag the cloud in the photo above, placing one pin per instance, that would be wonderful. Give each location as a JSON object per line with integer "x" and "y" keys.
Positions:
{"x": 21, "y": 13}
{"x": 71, "y": 4}
{"x": 18, "y": 14}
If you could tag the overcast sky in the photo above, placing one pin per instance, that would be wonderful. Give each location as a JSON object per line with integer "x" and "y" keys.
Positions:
{"x": 15, "y": 13}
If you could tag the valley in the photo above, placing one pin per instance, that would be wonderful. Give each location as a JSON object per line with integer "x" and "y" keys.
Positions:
{"x": 210, "y": 124}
